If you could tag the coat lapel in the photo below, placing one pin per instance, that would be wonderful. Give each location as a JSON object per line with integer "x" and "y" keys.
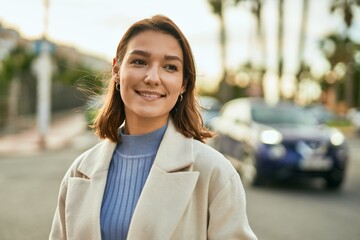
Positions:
{"x": 167, "y": 190}
{"x": 85, "y": 192}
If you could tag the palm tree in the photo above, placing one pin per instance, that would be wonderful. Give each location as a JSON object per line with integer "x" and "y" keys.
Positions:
{"x": 217, "y": 7}
{"x": 347, "y": 7}
{"x": 270, "y": 94}
{"x": 259, "y": 67}
{"x": 302, "y": 69}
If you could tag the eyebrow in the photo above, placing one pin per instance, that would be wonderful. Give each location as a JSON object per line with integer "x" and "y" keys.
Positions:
{"x": 140, "y": 52}
{"x": 147, "y": 54}
{"x": 173, "y": 57}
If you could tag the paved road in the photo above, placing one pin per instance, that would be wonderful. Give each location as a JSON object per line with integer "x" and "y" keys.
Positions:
{"x": 29, "y": 186}
{"x": 300, "y": 211}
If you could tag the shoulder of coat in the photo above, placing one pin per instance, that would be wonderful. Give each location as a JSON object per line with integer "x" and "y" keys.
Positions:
{"x": 206, "y": 157}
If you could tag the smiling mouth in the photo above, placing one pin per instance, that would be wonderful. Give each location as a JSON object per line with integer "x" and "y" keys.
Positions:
{"x": 151, "y": 95}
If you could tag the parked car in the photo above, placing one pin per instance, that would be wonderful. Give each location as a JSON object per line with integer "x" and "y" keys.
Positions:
{"x": 281, "y": 141}
{"x": 353, "y": 115}
{"x": 210, "y": 109}
{"x": 321, "y": 113}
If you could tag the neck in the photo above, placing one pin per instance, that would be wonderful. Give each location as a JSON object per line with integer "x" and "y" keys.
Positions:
{"x": 140, "y": 127}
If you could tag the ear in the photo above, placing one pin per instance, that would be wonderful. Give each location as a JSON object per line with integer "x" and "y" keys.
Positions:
{"x": 115, "y": 69}
{"x": 183, "y": 87}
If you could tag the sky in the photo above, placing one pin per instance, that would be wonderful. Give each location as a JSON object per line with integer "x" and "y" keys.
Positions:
{"x": 96, "y": 26}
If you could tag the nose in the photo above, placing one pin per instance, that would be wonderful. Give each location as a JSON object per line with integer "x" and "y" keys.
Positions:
{"x": 152, "y": 77}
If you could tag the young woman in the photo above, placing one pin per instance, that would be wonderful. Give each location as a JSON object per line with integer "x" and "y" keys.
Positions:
{"x": 152, "y": 177}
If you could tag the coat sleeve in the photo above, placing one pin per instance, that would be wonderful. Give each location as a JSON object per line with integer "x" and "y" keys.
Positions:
{"x": 227, "y": 213}
{"x": 58, "y": 229}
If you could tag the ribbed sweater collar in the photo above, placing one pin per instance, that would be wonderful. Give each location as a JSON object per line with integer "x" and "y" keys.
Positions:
{"x": 135, "y": 145}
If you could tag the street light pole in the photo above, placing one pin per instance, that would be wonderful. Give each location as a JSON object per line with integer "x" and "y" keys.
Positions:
{"x": 43, "y": 70}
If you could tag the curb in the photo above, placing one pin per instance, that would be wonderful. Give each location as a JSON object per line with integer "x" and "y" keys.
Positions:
{"x": 63, "y": 129}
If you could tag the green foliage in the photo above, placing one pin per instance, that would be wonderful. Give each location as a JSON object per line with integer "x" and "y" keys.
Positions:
{"x": 87, "y": 80}
{"x": 339, "y": 123}
{"x": 17, "y": 64}
{"x": 77, "y": 74}
{"x": 90, "y": 115}
{"x": 216, "y": 6}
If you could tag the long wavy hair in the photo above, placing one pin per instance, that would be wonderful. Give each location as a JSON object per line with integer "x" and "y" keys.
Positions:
{"x": 185, "y": 114}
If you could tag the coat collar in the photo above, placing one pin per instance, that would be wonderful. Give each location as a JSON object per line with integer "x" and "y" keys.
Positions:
{"x": 175, "y": 152}
{"x": 167, "y": 191}
{"x": 97, "y": 159}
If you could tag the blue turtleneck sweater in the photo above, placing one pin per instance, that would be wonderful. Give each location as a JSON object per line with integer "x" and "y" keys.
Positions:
{"x": 129, "y": 169}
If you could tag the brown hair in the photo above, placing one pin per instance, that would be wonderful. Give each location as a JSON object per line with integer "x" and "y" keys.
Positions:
{"x": 185, "y": 114}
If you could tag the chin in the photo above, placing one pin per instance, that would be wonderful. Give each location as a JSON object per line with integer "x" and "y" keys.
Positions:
{"x": 150, "y": 114}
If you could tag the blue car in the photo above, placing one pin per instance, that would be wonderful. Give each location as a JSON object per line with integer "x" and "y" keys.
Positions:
{"x": 280, "y": 141}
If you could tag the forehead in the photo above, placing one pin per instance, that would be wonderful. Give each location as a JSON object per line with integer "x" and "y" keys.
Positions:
{"x": 155, "y": 41}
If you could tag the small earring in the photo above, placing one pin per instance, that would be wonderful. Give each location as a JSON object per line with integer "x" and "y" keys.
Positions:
{"x": 117, "y": 86}
{"x": 180, "y": 97}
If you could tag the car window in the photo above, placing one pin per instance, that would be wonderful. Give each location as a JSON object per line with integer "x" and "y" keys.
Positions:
{"x": 282, "y": 115}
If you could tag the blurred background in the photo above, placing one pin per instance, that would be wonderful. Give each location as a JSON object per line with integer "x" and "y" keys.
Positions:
{"x": 297, "y": 57}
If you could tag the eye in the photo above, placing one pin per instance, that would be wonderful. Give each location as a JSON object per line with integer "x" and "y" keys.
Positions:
{"x": 171, "y": 68}
{"x": 138, "y": 62}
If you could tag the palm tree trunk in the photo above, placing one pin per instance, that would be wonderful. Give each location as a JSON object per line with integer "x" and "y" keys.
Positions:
{"x": 223, "y": 46}
{"x": 280, "y": 41}
{"x": 226, "y": 92}
{"x": 260, "y": 38}
{"x": 302, "y": 41}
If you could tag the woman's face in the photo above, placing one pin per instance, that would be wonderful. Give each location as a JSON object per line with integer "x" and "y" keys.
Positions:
{"x": 151, "y": 76}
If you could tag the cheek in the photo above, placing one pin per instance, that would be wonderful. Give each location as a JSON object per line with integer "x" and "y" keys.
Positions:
{"x": 178, "y": 88}
{"x": 125, "y": 79}
{"x": 122, "y": 83}
{"x": 131, "y": 76}
{"x": 175, "y": 83}
{"x": 124, "y": 86}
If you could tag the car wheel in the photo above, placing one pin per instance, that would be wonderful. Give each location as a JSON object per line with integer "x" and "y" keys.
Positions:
{"x": 335, "y": 179}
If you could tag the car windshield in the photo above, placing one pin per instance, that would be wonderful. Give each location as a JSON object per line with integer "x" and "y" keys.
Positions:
{"x": 282, "y": 115}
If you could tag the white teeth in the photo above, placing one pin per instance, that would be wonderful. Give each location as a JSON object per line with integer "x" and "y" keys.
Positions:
{"x": 149, "y": 95}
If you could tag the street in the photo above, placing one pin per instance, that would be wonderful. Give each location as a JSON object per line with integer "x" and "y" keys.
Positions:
{"x": 297, "y": 211}
{"x": 29, "y": 186}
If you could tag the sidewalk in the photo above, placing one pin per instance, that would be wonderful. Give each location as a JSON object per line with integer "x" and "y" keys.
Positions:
{"x": 63, "y": 130}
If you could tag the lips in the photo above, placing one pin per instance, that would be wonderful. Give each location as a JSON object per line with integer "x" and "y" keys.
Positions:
{"x": 149, "y": 94}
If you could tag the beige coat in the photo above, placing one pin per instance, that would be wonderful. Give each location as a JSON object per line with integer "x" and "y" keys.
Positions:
{"x": 192, "y": 192}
